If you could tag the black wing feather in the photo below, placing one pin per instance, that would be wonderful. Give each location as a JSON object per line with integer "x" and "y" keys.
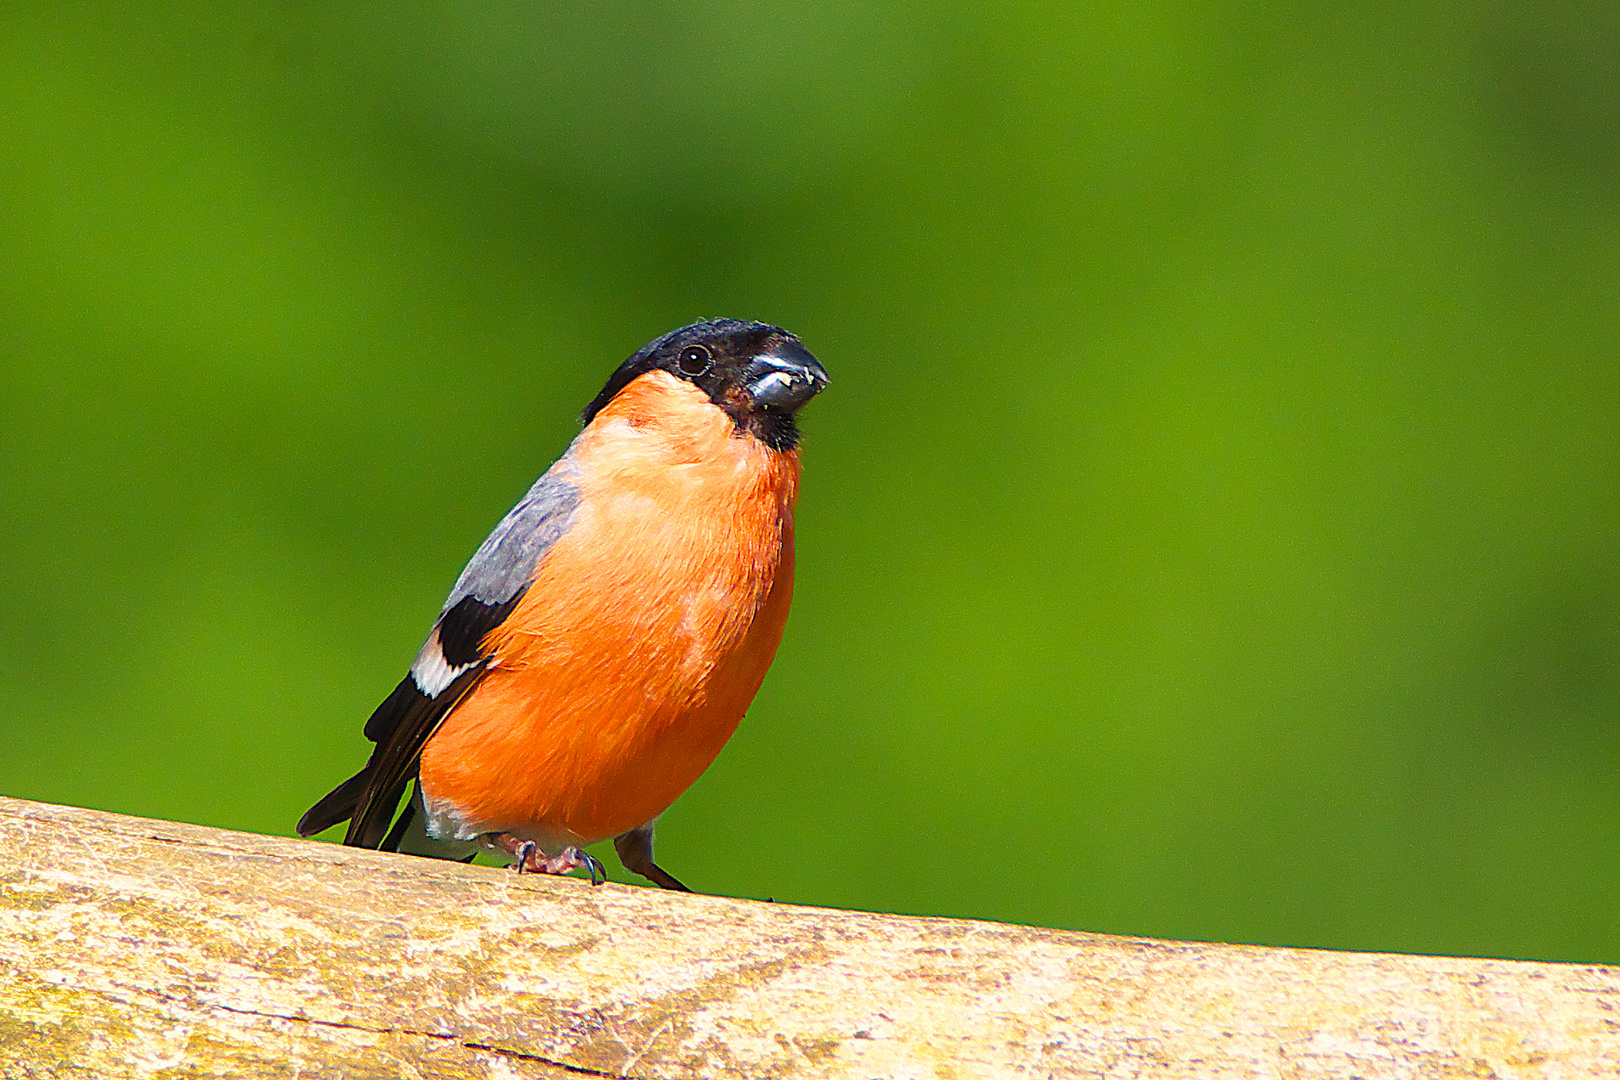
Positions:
{"x": 405, "y": 721}
{"x": 450, "y": 664}
{"x": 414, "y": 716}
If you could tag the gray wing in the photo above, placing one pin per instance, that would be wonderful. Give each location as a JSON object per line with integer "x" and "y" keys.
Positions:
{"x": 451, "y": 661}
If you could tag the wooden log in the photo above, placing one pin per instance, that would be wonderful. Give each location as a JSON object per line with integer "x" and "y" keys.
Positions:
{"x": 138, "y": 948}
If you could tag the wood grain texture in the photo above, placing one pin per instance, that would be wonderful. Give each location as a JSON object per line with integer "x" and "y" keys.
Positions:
{"x": 137, "y": 948}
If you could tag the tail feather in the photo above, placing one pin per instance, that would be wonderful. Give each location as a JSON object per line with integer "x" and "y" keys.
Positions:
{"x": 401, "y": 824}
{"x": 336, "y": 806}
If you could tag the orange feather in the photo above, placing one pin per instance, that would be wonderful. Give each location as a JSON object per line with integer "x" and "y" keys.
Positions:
{"x": 644, "y": 638}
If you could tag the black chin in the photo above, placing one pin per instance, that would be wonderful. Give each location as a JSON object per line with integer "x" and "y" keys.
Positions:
{"x": 775, "y": 429}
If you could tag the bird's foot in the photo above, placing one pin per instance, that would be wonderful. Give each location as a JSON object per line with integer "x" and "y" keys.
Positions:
{"x": 527, "y": 858}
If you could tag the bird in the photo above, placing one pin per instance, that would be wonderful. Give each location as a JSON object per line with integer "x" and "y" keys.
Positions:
{"x": 605, "y": 639}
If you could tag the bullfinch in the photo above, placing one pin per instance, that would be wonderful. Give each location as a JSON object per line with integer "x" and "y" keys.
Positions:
{"x": 607, "y": 637}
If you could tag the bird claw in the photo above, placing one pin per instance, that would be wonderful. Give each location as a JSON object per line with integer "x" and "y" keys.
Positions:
{"x": 592, "y": 866}
{"x": 524, "y": 854}
{"x": 527, "y": 858}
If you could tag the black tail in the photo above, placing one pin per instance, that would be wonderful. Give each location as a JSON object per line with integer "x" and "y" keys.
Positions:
{"x": 337, "y": 805}
{"x": 401, "y": 726}
{"x": 397, "y": 833}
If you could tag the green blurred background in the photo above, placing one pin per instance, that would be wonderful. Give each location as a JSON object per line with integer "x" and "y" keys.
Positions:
{"x": 1211, "y": 531}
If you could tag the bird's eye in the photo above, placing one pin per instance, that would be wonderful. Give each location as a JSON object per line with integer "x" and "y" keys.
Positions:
{"x": 694, "y": 360}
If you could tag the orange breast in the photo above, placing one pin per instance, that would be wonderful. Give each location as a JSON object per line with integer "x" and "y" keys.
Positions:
{"x": 644, "y": 637}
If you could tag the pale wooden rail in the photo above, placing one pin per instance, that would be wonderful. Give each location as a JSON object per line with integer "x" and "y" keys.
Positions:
{"x": 143, "y": 948}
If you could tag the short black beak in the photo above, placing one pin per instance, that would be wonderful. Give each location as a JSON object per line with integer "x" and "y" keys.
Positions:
{"x": 784, "y": 378}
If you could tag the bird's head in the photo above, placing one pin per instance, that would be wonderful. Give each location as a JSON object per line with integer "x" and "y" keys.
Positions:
{"x": 759, "y": 375}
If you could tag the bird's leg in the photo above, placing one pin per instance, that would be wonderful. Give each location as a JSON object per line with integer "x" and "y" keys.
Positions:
{"x": 635, "y": 851}
{"x": 527, "y": 858}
